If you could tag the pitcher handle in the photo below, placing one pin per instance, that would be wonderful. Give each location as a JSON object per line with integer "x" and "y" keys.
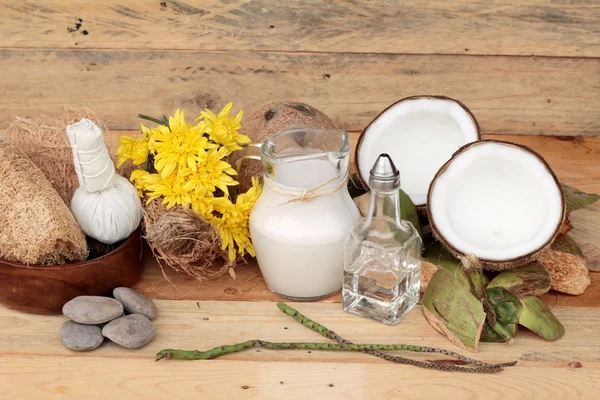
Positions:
{"x": 247, "y": 148}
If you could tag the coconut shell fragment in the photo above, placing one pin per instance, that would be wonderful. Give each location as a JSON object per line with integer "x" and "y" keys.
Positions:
{"x": 568, "y": 272}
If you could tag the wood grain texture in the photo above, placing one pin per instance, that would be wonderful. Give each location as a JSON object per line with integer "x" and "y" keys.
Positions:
{"x": 503, "y": 27}
{"x": 508, "y": 95}
{"x": 35, "y": 365}
{"x": 112, "y": 379}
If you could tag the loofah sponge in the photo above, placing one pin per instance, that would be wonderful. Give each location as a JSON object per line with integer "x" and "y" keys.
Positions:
{"x": 37, "y": 226}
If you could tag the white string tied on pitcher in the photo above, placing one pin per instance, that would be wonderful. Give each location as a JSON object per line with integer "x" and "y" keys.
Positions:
{"x": 308, "y": 194}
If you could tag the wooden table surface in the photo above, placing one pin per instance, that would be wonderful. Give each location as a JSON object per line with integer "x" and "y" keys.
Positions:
{"x": 529, "y": 71}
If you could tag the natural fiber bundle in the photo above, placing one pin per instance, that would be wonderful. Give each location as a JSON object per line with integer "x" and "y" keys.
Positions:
{"x": 45, "y": 142}
{"x": 37, "y": 226}
{"x": 184, "y": 241}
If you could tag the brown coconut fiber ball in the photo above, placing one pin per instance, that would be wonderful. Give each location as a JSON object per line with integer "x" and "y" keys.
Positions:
{"x": 36, "y": 225}
{"x": 184, "y": 241}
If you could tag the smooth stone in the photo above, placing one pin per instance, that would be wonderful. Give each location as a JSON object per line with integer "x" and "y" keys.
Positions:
{"x": 135, "y": 302}
{"x": 92, "y": 310}
{"x": 131, "y": 331}
{"x": 80, "y": 337}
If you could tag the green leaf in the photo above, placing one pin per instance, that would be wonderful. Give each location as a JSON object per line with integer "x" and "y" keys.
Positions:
{"x": 489, "y": 335}
{"x": 538, "y": 318}
{"x": 474, "y": 272}
{"x": 529, "y": 280}
{"x": 438, "y": 255}
{"x": 576, "y": 199}
{"x": 567, "y": 244}
{"x": 451, "y": 308}
{"x": 507, "y": 309}
{"x": 507, "y": 306}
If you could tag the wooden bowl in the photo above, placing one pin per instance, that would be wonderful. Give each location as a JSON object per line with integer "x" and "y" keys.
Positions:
{"x": 44, "y": 289}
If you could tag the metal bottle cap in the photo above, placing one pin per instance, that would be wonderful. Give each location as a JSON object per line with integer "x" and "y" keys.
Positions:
{"x": 384, "y": 174}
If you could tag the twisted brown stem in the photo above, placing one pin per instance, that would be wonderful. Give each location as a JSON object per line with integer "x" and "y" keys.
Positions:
{"x": 481, "y": 367}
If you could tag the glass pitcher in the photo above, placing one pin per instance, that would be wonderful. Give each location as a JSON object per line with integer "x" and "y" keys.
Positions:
{"x": 304, "y": 214}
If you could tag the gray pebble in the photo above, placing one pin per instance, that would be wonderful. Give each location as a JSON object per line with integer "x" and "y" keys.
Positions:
{"x": 80, "y": 337}
{"x": 92, "y": 310}
{"x": 131, "y": 331}
{"x": 135, "y": 302}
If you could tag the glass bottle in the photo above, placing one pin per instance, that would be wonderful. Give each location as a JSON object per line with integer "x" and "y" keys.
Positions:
{"x": 382, "y": 254}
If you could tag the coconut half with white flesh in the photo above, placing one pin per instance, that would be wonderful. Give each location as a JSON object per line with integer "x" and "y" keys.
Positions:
{"x": 420, "y": 134}
{"x": 497, "y": 200}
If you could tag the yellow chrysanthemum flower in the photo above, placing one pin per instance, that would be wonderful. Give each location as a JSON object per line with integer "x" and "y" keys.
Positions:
{"x": 233, "y": 223}
{"x": 224, "y": 130}
{"x": 146, "y": 133}
{"x": 138, "y": 181}
{"x": 203, "y": 206}
{"x": 178, "y": 146}
{"x": 132, "y": 149}
{"x": 245, "y": 201}
{"x": 171, "y": 188}
{"x": 211, "y": 173}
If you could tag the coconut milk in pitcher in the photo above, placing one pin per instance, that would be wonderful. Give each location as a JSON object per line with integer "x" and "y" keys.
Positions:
{"x": 304, "y": 214}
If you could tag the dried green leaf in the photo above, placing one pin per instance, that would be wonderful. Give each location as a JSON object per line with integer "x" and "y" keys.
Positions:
{"x": 451, "y": 308}
{"x": 489, "y": 335}
{"x": 538, "y": 318}
{"x": 576, "y": 199}
{"x": 567, "y": 244}
{"x": 438, "y": 255}
{"x": 529, "y": 280}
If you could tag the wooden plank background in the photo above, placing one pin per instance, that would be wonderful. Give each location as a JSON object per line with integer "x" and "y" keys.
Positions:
{"x": 523, "y": 69}
{"x": 495, "y": 27}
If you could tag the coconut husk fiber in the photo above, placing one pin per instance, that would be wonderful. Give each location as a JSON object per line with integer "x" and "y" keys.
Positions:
{"x": 36, "y": 225}
{"x": 184, "y": 241}
{"x": 44, "y": 140}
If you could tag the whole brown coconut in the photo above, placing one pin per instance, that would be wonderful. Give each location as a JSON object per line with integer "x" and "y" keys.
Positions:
{"x": 271, "y": 119}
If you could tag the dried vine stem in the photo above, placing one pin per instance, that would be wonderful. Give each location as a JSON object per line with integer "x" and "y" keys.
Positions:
{"x": 342, "y": 345}
{"x": 482, "y": 367}
{"x": 235, "y": 348}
